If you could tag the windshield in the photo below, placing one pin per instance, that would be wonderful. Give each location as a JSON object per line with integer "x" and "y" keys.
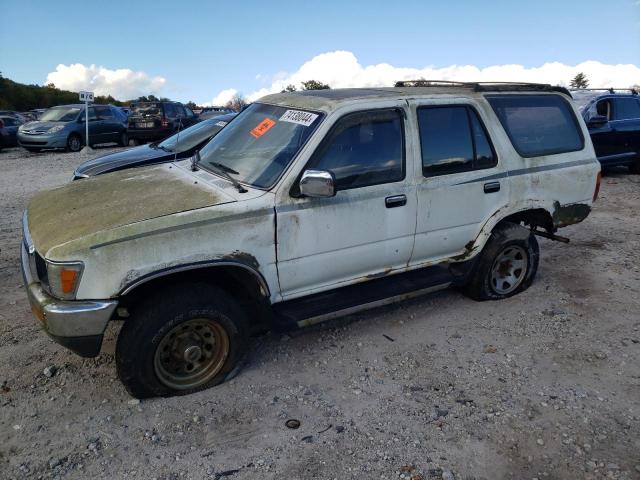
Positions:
{"x": 143, "y": 109}
{"x": 192, "y": 136}
{"x": 260, "y": 143}
{"x": 60, "y": 114}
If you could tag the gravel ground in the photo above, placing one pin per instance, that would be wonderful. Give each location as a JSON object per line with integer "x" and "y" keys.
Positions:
{"x": 543, "y": 385}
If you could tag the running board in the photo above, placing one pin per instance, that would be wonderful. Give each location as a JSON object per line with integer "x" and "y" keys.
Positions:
{"x": 319, "y": 307}
{"x": 367, "y": 306}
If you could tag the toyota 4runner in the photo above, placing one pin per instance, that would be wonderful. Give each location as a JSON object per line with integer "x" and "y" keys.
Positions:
{"x": 309, "y": 205}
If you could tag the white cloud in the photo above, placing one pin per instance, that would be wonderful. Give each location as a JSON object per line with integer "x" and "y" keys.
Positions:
{"x": 122, "y": 84}
{"x": 341, "y": 69}
{"x": 222, "y": 98}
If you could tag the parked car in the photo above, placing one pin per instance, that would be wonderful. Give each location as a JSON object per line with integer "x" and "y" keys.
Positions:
{"x": 308, "y": 205}
{"x": 64, "y": 127}
{"x": 157, "y": 120}
{"x": 178, "y": 146}
{"x": 210, "y": 112}
{"x": 12, "y": 113}
{"x": 613, "y": 120}
{"x": 8, "y": 131}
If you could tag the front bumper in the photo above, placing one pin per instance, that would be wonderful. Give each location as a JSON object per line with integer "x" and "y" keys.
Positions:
{"x": 43, "y": 140}
{"x": 78, "y": 325}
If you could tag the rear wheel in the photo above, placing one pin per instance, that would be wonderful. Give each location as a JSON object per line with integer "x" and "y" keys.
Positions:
{"x": 635, "y": 167}
{"x": 74, "y": 143}
{"x": 507, "y": 265}
{"x": 180, "y": 341}
{"x": 124, "y": 139}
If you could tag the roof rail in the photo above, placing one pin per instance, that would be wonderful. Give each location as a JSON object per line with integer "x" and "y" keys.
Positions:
{"x": 610, "y": 90}
{"x": 485, "y": 86}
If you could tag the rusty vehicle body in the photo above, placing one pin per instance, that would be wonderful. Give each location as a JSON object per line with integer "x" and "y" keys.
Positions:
{"x": 299, "y": 248}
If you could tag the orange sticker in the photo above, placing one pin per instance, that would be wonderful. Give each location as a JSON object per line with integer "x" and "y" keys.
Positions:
{"x": 263, "y": 127}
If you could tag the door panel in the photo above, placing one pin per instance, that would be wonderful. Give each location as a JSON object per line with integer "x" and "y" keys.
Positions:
{"x": 462, "y": 182}
{"x": 327, "y": 241}
{"x": 367, "y": 229}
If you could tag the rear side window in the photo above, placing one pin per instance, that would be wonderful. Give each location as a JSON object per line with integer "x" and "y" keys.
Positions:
{"x": 538, "y": 124}
{"x": 363, "y": 149}
{"x": 626, "y": 108}
{"x": 453, "y": 140}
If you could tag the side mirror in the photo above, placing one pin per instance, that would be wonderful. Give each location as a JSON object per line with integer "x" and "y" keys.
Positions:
{"x": 317, "y": 183}
{"x": 597, "y": 120}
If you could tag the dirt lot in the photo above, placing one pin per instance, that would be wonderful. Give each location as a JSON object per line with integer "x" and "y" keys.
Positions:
{"x": 544, "y": 385}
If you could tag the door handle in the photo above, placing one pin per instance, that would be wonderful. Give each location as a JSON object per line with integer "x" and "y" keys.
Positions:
{"x": 395, "y": 201}
{"x": 491, "y": 187}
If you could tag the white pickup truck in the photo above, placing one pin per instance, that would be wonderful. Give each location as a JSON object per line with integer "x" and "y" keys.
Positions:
{"x": 308, "y": 205}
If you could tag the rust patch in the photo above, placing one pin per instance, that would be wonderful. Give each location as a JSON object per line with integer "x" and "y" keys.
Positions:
{"x": 244, "y": 258}
{"x": 384, "y": 273}
{"x": 564, "y": 215}
{"x": 469, "y": 248}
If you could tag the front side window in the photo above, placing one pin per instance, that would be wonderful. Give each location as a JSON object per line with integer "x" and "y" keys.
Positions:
{"x": 626, "y": 108}
{"x": 362, "y": 149}
{"x": 92, "y": 114}
{"x": 453, "y": 140}
{"x": 538, "y": 124}
{"x": 260, "y": 143}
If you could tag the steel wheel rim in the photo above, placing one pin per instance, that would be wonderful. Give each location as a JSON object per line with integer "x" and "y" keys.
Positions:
{"x": 191, "y": 353}
{"x": 509, "y": 269}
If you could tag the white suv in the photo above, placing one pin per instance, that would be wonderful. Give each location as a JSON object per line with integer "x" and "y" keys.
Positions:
{"x": 308, "y": 205}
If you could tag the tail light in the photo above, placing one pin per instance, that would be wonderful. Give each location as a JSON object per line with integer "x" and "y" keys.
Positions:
{"x": 597, "y": 189}
{"x": 165, "y": 122}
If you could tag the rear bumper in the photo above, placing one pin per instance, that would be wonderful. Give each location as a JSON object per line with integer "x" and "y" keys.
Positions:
{"x": 149, "y": 133}
{"x": 78, "y": 325}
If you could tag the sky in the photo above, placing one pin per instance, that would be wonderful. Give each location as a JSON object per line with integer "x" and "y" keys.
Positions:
{"x": 206, "y": 51}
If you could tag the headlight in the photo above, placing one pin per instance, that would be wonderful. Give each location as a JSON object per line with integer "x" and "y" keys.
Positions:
{"x": 64, "y": 278}
{"x": 55, "y": 129}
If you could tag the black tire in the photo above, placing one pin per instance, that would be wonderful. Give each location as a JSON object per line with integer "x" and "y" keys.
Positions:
{"x": 123, "y": 141}
{"x": 74, "y": 143}
{"x": 154, "y": 322}
{"x": 635, "y": 167}
{"x": 509, "y": 243}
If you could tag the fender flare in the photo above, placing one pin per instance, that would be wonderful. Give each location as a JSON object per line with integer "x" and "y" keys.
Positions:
{"x": 264, "y": 287}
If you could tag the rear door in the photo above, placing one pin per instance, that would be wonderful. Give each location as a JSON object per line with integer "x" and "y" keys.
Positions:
{"x": 626, "y": 126}
{"x": 109, "y": 124}
{"x": 461, "y": 180}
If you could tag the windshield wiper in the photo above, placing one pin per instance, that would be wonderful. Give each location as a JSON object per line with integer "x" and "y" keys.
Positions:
{"x": 225, "y": 172}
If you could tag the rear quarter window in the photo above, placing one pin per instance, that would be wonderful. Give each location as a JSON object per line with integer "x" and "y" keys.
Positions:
{"x": 538, "y": 124}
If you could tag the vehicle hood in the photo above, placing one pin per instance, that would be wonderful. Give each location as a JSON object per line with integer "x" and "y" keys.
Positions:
{"x": 102, "y": 203}
{"x": 128, "y": 158}
{"x": 41, "y": 126}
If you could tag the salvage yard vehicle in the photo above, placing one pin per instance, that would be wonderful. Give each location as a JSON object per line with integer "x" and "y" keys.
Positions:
{"x": 309, "y": 205}
{"x": 613, "y": 119}
{"x": 64, "y": 127}
{"x": 178, "y": 146}
{"x": 157, "y": 120}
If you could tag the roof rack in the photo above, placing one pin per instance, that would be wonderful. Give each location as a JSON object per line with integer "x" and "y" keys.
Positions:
{"x": 610, "y": 90}
{"x": 485, "y": 86}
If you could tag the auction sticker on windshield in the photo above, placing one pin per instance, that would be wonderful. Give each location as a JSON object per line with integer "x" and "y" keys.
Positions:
{"x": 221, "y": 123}
{"x": 299, "y": 117}
{"x": 263, "y": 127}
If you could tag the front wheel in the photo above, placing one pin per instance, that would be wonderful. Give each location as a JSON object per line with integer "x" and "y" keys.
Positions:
{"x": 123, "y": 140}
{"x": 635, "y": 167}
{"x": 180, "y": 341}
{"x": 74, "y": 143}
{"x": 507, "y": 265}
